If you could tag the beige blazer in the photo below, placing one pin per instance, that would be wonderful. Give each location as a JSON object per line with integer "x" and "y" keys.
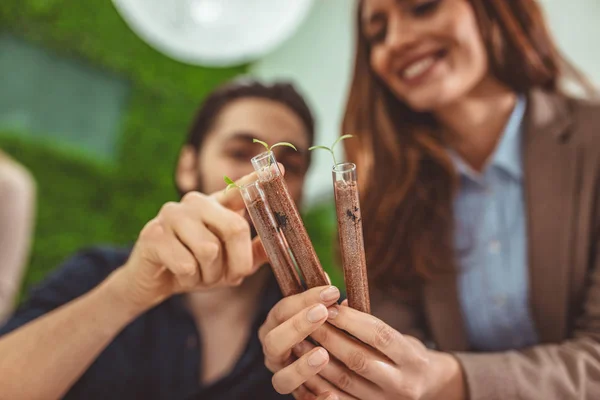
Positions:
{"x": 562, "y": 185}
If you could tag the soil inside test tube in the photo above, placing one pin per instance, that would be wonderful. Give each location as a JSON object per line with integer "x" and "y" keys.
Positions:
{"x": 288, "y": 218}
{"x": 280, "y": 260}
{"x": 352, "y": 245}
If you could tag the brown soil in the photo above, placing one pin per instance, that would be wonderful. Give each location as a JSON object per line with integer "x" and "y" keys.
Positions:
{"x": 352, "y": 245}
{"x": 289, "y": 220}
{"x": 281, "y": 263}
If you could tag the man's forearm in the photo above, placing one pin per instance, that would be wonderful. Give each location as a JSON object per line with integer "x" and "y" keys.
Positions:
{"x": 44, "y": 358}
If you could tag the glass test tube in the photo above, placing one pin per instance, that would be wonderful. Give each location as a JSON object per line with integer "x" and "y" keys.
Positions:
{"x": 350, "y": 232}
{"x": 288, "y": 219}
{"x": 274, "y": 244}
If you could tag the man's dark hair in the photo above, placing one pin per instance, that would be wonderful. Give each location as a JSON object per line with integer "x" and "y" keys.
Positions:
{"x": 281, "y": 92}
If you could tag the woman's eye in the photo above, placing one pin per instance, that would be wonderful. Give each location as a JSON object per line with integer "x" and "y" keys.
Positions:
{"x": 378, "y": 36}
{"x": 425, "y": 8}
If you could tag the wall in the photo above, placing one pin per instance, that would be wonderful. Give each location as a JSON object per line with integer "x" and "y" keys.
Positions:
{"x": 82, "y": 198}
{"x": 575, "y": 27}
{"x": 319, "y": 58}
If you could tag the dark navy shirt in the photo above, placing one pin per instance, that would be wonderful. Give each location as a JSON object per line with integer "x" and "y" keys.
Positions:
{"x": 157, "y": 356}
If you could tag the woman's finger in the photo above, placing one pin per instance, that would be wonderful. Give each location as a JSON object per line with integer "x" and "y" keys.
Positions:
{"x": 338, "y": 375}
{"x": 289, "y": 306}
{"x": 291, "y": 377}
{"x": 375, "y": 333}
{"x": 328, "y": 396}
{"x": 277, "y": 344}
{"x": 302, "y": 393}
{"x": 341, "y": 377}
{"x": 359, "y": 358}
{"x": 317, "y": 384}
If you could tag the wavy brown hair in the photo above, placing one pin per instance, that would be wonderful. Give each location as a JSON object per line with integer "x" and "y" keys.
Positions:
{"x": 406, "y": 178}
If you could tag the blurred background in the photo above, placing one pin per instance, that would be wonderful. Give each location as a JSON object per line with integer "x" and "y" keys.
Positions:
{"x": 96, "y": 97}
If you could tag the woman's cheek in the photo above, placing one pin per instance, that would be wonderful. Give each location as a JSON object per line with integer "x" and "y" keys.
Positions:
{"x": 378, "y": 64}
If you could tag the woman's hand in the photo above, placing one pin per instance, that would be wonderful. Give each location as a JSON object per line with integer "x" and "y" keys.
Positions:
{"x": 288, "y": 324}
{"x": 201, "y": 242}
{"x": 376, "y": 362}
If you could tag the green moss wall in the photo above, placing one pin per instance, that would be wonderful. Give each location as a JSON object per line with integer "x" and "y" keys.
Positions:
{"x": 82, "y": 199}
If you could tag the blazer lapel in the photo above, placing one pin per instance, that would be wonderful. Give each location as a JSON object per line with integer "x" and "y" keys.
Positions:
{"x": 444, "y": 315}
{"x": 551, "y": 164}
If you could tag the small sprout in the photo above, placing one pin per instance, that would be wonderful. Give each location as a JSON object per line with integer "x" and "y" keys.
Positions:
{"x": 284, "y": 144}
{"x": 332, "y": 148}
{"x": 275, "y": 145}
{"x": 269, "y": 149}
{"x": 230, "y": 183}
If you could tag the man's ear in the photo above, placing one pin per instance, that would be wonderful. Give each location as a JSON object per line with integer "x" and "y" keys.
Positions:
{"x": 186, "y": 174}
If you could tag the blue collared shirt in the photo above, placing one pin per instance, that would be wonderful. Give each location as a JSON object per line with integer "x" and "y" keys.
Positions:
{"x": 491, "y": 246}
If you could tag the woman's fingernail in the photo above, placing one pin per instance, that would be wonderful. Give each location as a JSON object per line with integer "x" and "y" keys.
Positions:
{"x": 329, "y": 294}
{"x": 332, "y": 312}
{"x": 317, "y": 313}
{"x": 317, "y": 358}
{"x": 332, "y": 396}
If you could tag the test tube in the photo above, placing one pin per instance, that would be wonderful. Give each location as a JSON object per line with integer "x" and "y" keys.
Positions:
{"x": 272, "y": 240}
{"x": 288, "y": 219}
{"x": 347, "y": 205}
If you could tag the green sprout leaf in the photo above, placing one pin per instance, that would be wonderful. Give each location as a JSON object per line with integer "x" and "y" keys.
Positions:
{"x": 230, "y": 183}
{"x": 332, "y": 148}
{"x": 319, "y": 147}
{"x": 261, "y": 142}
{"x": 340, "y": 139}
{"x": 269, "y": 149}
{"x": 283, "y": 144}
{"x": 275, "y": 145}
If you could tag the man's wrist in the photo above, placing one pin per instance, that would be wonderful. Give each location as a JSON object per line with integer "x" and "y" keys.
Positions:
{"x": 115, "y": 290}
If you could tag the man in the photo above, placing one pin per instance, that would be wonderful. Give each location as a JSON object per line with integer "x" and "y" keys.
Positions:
{"x": 176, "y": 317}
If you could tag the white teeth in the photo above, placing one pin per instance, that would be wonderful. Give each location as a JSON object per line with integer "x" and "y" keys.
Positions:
{"x": 417, "y": 68}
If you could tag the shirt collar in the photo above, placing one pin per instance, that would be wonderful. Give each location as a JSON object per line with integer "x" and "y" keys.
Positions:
{"x": 507, "y": 155}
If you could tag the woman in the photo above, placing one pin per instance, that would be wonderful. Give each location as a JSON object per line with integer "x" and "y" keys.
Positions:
{"x": 17, "y": 209}
{"x": 177, "y": 315}
{"x": 481, "y": 210}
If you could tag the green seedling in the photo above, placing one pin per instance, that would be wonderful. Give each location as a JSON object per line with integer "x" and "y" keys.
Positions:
{"x": 270, "y": 148}
{"x": 332, "y": 148}
{"x": 230, "y": 183}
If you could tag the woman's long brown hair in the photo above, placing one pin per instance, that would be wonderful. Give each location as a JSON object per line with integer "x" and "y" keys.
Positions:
{"x": 406, "y": 178}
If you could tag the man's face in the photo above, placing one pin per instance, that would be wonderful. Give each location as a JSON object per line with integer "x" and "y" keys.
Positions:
{"x": 228, "y": 148}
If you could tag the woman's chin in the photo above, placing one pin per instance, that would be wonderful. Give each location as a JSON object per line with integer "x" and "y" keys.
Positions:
{"x": 429, "y": 100}
{"x": 425, "y": 103}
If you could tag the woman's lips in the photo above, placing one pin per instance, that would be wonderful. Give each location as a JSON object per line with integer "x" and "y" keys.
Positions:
{"x": 418, "y": 69}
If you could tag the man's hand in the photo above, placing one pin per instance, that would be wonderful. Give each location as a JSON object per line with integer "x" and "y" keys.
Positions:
{"x": 202, "y": 242}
